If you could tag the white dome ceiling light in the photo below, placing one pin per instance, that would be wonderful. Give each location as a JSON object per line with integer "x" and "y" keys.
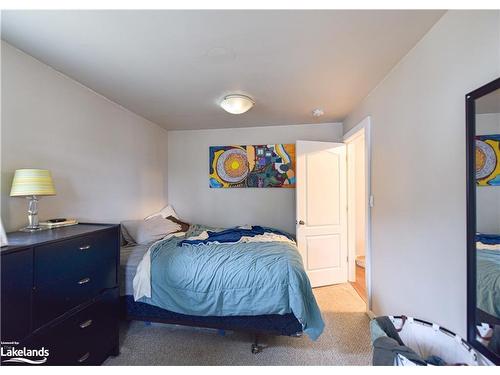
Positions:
{"x": 237, "y": 104}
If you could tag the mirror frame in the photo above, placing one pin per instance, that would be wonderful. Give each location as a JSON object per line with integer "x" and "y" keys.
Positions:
{"x": 470, "y": 109}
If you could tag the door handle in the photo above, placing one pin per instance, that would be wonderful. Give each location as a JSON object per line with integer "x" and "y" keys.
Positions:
{"x": 86, "y": 324}
{"x": 84, "y": 357}
{"x": 301, "y": 222}
{"x": 84, "y": 281}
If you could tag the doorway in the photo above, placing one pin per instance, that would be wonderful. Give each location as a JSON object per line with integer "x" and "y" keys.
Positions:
{"x": 321, "y": 201}
{"x": 333, "y": 203}
{"x": 359, "y": 204}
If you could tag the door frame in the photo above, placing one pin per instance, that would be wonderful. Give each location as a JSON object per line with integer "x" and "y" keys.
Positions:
{"x": 363, "y": 127}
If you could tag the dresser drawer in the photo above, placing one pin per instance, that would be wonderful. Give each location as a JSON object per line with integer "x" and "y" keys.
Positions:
{"x": 16, "y": 290}
{"x": 77, "y": 256}
{"x": 86, "y": 337}
{"x": 54, "y": 299}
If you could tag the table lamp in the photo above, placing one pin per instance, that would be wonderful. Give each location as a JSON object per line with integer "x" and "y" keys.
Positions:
{"x": 32, "y": 183}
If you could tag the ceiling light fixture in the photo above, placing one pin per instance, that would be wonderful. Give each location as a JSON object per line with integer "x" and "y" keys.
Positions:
{"x": 237, "y": 104}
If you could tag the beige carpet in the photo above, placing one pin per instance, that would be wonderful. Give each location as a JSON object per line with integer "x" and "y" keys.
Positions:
{"x": 345, "y": 341}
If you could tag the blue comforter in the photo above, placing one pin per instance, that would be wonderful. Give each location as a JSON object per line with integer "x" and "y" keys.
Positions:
{"x": 233, "y": 279}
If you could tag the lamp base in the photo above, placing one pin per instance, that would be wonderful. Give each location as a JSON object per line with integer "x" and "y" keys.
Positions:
{"x": 28, "y": 229}
{"x": 33, "y": 225}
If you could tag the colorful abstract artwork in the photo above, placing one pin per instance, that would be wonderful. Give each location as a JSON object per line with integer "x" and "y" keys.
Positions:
{"x": 252, "y": 166}
{"x": 488, "y": 160}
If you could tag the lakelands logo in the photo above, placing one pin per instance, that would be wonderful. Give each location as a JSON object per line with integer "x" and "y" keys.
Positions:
{"x": 23, "y": 355}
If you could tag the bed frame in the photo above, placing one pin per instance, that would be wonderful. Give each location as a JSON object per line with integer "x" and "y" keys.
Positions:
{"x": 277, "y": 325}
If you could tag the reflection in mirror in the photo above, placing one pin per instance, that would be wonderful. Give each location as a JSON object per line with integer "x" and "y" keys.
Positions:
{"x": 487, "y": 156}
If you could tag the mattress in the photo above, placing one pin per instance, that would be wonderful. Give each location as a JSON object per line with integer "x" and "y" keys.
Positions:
{"x": 130, "y": 256}
{"x": 244, "y": 278}
{"x": 286, "y": 325}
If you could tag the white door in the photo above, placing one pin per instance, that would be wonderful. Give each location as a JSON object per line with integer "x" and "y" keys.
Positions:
{"x": 321, "y": 195}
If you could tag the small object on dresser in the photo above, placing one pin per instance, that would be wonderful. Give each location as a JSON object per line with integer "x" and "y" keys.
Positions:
{"x": 57, "y": 223}
{"x": 3, "y": 236}
{"x": 59, "y": 220}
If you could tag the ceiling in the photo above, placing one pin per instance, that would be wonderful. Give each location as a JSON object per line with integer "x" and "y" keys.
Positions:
{"x": 174, "y": 67}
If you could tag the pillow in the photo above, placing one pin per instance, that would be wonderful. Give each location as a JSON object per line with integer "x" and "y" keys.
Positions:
{"x": 184, "y": 226}
{"x": 147, "y": 231}
{"x": 126, "y": 238}
{"x": 164, "y": 212}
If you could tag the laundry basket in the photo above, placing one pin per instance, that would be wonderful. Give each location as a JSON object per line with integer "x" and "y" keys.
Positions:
{"x": 406, "y": 341}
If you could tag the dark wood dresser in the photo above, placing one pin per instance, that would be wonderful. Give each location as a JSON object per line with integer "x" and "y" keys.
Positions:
{"x": 60, "y": 292}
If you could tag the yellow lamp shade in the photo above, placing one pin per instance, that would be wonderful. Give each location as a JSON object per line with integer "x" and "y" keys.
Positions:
{"x": 32, "y": 182}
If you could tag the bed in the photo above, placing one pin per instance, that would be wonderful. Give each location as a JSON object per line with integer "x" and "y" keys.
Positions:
{"x": 258, "y": 287}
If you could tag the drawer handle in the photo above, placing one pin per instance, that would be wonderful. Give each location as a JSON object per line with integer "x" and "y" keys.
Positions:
{"x": 84, "y": 281}
{"x": 84, "y": 357}
{"x": 86, "y": 323}
{"x": 85, "y": 247}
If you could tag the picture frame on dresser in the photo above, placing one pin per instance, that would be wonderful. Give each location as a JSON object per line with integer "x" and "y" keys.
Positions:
{"x": 3, "y": 235}
{"x": 60, "y": 295}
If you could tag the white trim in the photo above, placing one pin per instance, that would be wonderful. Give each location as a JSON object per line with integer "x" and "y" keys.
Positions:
{"x": 364, "y": 127}
{"x": 351, "y": 208}
{"x": 353, "y": 133}
{"x": 371, "y": 314}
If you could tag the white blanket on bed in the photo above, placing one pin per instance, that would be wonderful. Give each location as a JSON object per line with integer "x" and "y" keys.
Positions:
{"x": 142, "y": 278}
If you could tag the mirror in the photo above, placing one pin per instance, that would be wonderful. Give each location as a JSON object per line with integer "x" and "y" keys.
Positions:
{"x": 483, "y": 219}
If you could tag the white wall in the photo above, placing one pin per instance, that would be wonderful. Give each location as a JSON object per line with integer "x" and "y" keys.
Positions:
{"x": 418, "y": 168}
{"x": 488, "y": 197}
{"x": 107, "y": 163}
{"x": 194, "y": 201}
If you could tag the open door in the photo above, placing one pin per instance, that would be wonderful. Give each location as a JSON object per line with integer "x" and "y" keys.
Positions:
{"x": 321, "y": 195}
